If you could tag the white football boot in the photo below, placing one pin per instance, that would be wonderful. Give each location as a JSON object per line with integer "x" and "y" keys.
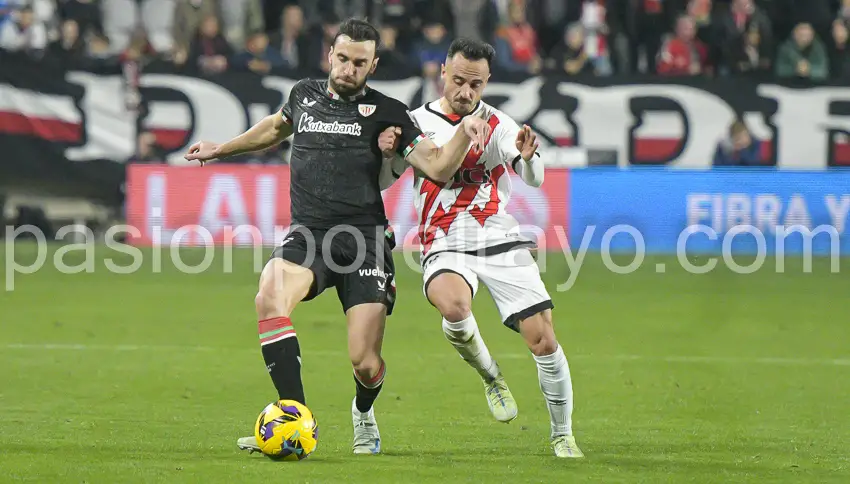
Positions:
{"x": 249, "y": 444}
{"x": 500, "y": 399}
{"x": 565, "y": 446}
{"x": 367, "y": 439}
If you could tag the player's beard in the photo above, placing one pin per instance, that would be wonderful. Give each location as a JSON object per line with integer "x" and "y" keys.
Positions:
{"x": 346, "y": 90}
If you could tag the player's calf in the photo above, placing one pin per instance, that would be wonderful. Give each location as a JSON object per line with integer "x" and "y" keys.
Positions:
{"x": 282, "y": 286}
{"x": 450, "y": 294}
{"x": 553, "y": 372}
{"x": 365, "y": 337}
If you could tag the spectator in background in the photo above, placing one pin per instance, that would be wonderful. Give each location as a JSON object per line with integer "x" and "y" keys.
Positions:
{"x": 320, "y": 44}
{"x": 653, "y": 19}
{"x": 570, "y": 55}
{"x": 840, "y": 59}
{"x": 744, "y": 17}
{"x": 555, "y": 17}
{"x": 188, "y": 15}
{"x": 290, "y": 41}
{"x": 619, "y": 16}
{"x": 69, "y": 47}
{"x": 819, "y": 14}
{"x": 210, "y": 51}
{"x": 390, "y": 58}
{"x": 593, "y": 14}
{"x": 432, "y": 49}
{"x": 683, "y": 54}
{"x": 739, "y": 149}
{"x": 516, "y": 45}
{"x": 803, "y": 56}
{"x": 239, "y": 17}
{"x": 749, "y": 55}
{"x": 22, "y": 33}
{"x": 259, "y": 57}
{"x": 43, "y": 11}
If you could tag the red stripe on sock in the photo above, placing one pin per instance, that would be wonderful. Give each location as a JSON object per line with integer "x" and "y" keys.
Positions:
{"x": 375, "y": 380}
{"x": 271, "y": 324}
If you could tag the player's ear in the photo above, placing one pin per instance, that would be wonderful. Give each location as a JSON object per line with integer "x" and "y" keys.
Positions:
{"x": 374, "y": 65}
{"x": 330, "y": 56}
{"x": 443, "y": 71}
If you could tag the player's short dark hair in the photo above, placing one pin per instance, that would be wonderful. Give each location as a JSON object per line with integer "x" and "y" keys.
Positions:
{"x": 359, "y": 31}
{"x": 472, "y": 49}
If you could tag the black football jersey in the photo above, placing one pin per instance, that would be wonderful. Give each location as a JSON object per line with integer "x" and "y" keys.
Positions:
{"x": 335, "y": 160}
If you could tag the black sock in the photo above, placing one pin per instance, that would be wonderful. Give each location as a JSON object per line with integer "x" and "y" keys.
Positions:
{"x": 283, "y": 358}
{"x": 368, "y": 391}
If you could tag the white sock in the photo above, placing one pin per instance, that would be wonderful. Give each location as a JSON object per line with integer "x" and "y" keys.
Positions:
{"x": 466, "y": 339}
{"x": 554, "y": 374}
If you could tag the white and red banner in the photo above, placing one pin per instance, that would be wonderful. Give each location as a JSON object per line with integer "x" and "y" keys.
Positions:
{"x": 73, "y": 126}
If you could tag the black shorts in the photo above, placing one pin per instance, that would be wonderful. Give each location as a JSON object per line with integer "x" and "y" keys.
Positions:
{"x": 362, "y": 272}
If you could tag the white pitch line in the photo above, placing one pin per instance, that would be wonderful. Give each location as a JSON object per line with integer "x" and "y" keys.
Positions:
{"x": 449, "y": 354}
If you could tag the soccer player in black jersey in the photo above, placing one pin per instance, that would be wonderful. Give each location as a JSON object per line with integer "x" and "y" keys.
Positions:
{"x": 340, "y": 236}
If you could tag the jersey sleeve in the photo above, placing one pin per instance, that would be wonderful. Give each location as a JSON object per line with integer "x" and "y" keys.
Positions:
{"x": 286, "y": 109}
{"x": 411, "y": 135}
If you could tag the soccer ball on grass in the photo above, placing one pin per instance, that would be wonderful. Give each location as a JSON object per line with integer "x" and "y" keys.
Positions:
{"x": 286, "y": 430}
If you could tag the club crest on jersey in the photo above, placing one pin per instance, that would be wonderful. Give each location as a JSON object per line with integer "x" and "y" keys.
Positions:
{"x": 366, "y": 110}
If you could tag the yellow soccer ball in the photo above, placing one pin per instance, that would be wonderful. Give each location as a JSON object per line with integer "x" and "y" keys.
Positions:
{"x": 287, "y": 430}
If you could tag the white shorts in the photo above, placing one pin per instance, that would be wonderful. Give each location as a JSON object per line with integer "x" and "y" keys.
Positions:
{"x": 512, "y": 278}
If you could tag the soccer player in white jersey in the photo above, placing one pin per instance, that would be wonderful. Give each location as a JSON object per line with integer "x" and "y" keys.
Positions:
{"x": 467, "y": 236}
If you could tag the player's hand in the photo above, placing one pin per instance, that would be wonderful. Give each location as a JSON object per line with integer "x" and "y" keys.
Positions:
{"x": 203, "y": 152}
{"x": 526, "y": 142}
{"x": 388, "y": 140}
{"x": 478, "y": 131}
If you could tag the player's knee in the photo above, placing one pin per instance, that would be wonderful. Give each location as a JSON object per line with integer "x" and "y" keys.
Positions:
{"x": 281, "y": 289}
{"x": 539, "y": 335}
{"x": 545, "y": 344}
{"x": 267, "y": 304}
{"x": 454, "y": 308}
{"x": 365, "y": 364}
{"x": 272, "y": 301}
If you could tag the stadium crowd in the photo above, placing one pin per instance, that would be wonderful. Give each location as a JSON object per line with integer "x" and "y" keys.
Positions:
{"x": 804, "y": 39}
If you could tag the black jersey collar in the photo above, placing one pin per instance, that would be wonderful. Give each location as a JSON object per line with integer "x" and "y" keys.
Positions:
{"x": 337, "y": 97}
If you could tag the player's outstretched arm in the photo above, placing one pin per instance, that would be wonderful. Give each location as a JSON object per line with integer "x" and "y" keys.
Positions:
{"x": 441, "y": 163}
{"x": 270, "y": 131}
{"x": 529, "y": 168}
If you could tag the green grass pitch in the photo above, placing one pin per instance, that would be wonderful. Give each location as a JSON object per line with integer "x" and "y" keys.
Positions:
{"x": 151, "y": 377}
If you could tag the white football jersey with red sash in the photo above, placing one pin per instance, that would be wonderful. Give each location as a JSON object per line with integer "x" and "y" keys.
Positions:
{"x": 468, "y": 213}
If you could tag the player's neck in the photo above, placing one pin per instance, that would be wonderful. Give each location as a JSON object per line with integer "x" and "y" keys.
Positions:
{"x": 446, "y": 108}
{"x": 335, "y": 95}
